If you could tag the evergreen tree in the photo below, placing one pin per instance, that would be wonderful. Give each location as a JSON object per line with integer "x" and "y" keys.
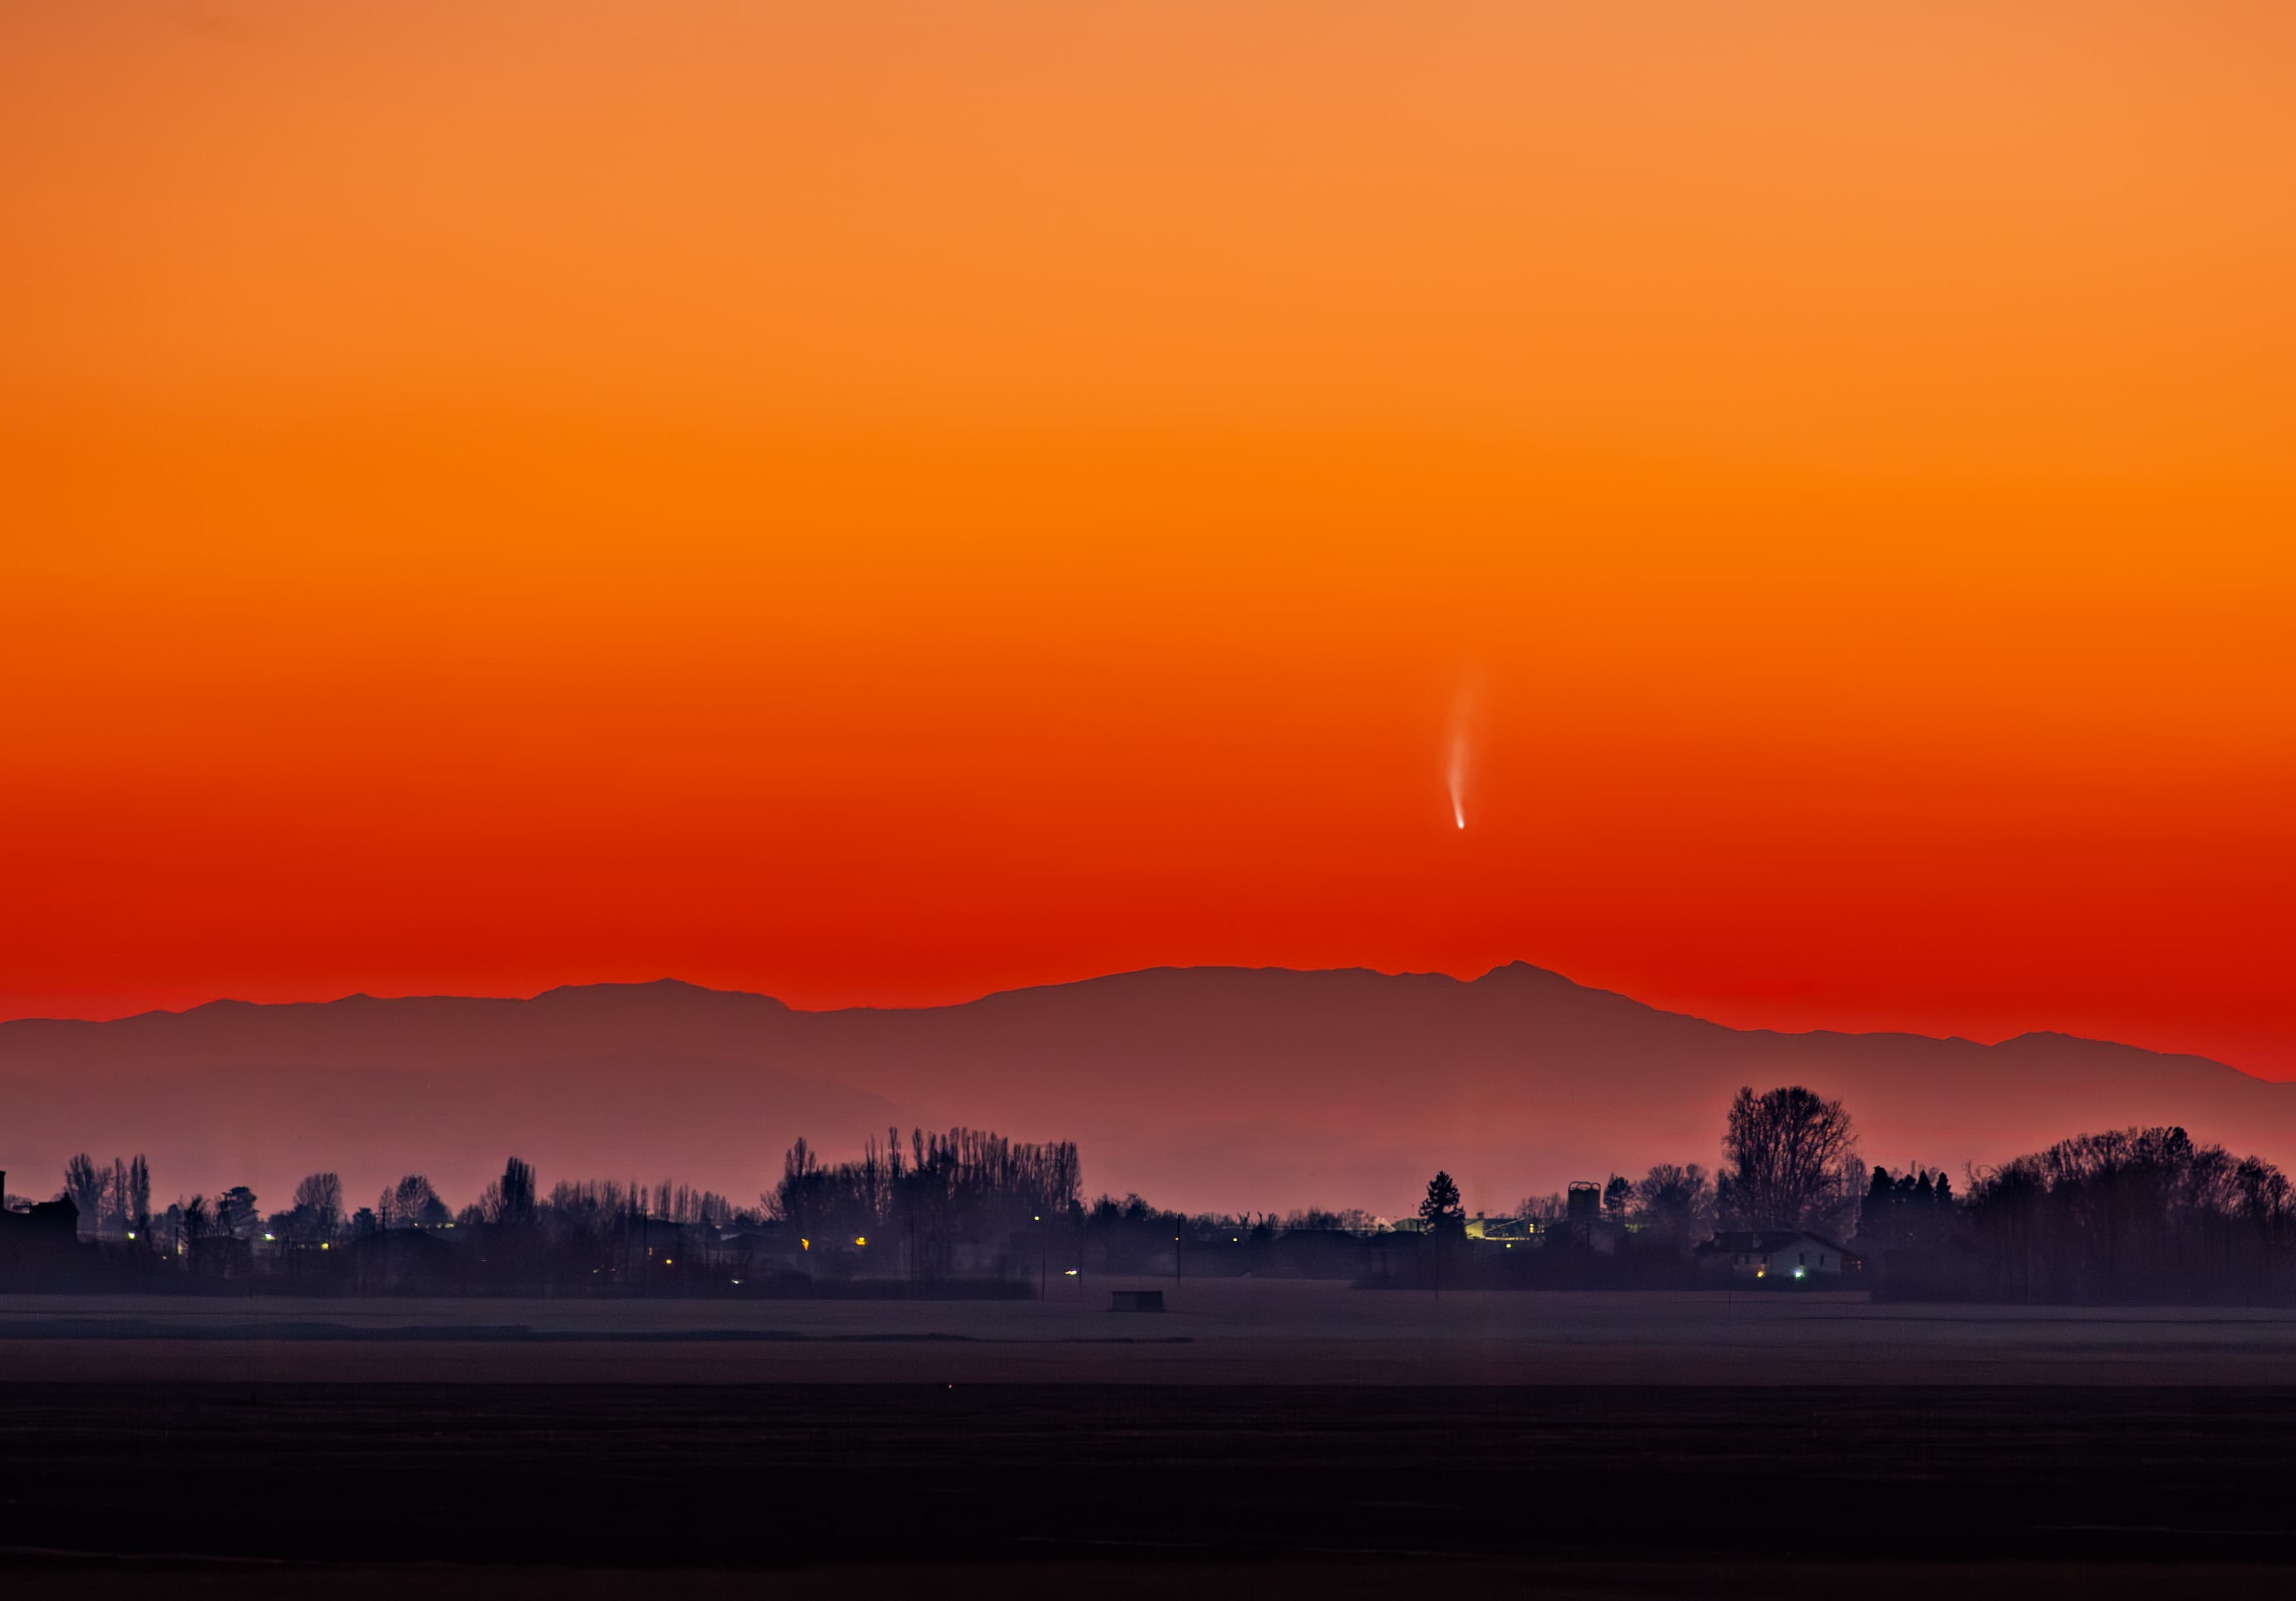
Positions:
{"x": 1440, "y": 1211}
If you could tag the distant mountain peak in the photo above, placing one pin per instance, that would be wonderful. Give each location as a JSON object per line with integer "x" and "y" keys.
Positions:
{"x": 1209, "y": 1088}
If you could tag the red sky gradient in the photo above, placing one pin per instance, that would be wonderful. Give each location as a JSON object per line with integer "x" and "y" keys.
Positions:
{"x": 884, "y": 502}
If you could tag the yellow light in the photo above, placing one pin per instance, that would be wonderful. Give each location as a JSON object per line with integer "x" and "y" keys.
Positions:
{"x": 131, "y": 1233}
{"x": 323, "y": 1244}
{"x": 668, "y": 1263}
{"x": 860, "y": 1240}
{"x": 805, "y": 1245}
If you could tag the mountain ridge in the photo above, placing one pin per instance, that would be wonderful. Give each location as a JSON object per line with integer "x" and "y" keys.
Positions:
{"x": 677, "y": 985}
{"x": 1207, "y": 1088}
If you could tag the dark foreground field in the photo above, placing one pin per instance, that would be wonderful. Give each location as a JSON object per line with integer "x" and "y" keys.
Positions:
{"x": 1075, "y": 1490}
{"x": 1263, "y": 1439}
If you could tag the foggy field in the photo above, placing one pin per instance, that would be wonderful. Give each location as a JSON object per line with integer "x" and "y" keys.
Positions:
{"x": 1220, "y": 1332}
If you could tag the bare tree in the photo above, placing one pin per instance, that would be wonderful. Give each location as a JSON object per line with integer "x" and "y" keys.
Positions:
{"x": 412, "y": 1203}
{"x": 1547, "y": 1208}
{"x": 139, "y": 1197}
{"x": 2263, "y": 1194}
{"x": 797, "y": 1200}
{"x": 967, "y": 1185}
{"x": 1351, "y": 1220}
{"x": 1791, "y": 1159}
{"x": 319, "y": 1206}
{"x": 2145, "y": 1213}
{"x": 191, "y": 1229}
{"x": 516, "y": 1202}
{"x": 1674, "y": 1203}
{"x": 86, "y": 1184}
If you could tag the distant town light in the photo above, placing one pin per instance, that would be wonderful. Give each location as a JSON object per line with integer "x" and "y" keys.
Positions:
{"x": 668, "y": 1263}
{"x": 860, "y": 1239}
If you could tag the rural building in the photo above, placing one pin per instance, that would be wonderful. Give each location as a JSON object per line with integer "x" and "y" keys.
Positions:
{"x": 1317, "y": 1254}
{"x": 1767, "y": 1254}
{"x": 38, "y": 1246}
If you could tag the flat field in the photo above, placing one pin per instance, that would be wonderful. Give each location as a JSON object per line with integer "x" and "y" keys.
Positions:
{"x": 1257, "y": 1438}
{"x": 1219, "y": 1332}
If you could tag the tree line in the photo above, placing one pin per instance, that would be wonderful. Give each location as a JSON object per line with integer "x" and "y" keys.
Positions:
{"x": 941, "y": 1203}
{"x": 2132, "y": 1214}
{"x": 1789, "y": 1160}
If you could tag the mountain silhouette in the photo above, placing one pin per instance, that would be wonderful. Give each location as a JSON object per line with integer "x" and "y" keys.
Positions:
{"x": 1205, "y": 1087}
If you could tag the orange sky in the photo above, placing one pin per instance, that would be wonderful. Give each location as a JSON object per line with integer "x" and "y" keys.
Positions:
{"x": 883, "y": 502}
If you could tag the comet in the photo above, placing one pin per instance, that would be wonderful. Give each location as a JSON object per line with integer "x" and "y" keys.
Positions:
{"x": 1462, "y": 714}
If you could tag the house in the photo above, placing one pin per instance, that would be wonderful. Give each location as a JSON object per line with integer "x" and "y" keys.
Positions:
{"x": 40, "y": 1247}
{"x": 1775, "y": 1255}
{"x": 1317, "y": 1254}
{"x": 401, "y": 1261}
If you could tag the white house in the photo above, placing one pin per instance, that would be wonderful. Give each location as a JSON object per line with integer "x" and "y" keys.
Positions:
{"x": 1775, "y": 1254}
